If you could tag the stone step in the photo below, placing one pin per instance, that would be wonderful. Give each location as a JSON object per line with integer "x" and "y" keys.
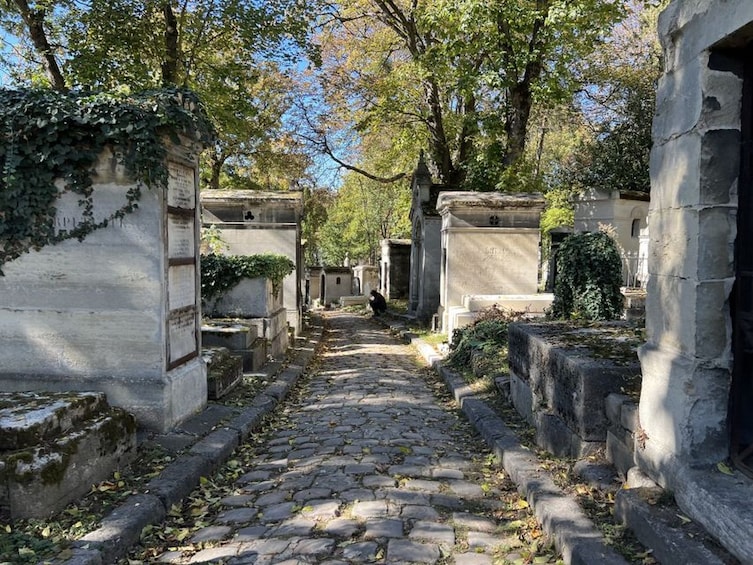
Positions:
{"x": 37, "y": 481}
{"x": 27, "y": 419}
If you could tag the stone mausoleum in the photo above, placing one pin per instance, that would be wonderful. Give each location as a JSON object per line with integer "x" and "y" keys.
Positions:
{"x": 696, "y": 403}
{"x": 490, "y": 247}
{"x": 118, "y": 312}
{"x": 253, "y": 222}
{"x": 625, "y": 213}
{"x": 426, "y": 244}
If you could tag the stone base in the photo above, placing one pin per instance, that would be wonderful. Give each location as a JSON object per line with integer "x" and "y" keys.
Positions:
{"x": 346, "y": 301}
{"x": 224, "y": 371}
{"x": 54, "y": 446}
{"x": 159, "y": 401}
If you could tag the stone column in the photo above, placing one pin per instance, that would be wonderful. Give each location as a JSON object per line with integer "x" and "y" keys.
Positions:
{"x": 686, "y": 361}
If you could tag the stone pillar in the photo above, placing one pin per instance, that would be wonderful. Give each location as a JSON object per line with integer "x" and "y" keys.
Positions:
{"x": 119, "y": 311}
{"x": 695, "y": 162}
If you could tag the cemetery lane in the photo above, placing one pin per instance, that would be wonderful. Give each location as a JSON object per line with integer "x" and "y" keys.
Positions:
{"x": 367, "y": 462}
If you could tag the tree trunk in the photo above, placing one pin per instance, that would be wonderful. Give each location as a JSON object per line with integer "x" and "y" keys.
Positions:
{"x": 440, "y": 148}
{"x": 170, "y": 64}
{"x": 217, "y": 160}
{"x": 521, "y": 97}
{"x": 34, "y": 20}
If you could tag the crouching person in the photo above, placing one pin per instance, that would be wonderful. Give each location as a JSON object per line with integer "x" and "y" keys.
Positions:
{"x": 378, "y": 303}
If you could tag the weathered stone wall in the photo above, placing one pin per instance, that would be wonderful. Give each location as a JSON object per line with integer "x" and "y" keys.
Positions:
{"x": 117, "y": 312}
{"x": 695, "y": 163}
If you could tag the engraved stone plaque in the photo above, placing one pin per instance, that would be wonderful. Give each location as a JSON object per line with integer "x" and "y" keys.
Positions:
{"x": 181, "y": 187}
{"x": 181, "y": 286}
{"x": 181, "y": 326}
{"x": 180, "y": 237}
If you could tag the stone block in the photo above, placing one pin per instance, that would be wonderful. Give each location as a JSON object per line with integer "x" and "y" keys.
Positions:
{"x": 250, "y": 298}
{"x": 677, "y": 317}
{"x": 572, "y": 382}
{"x": 28, "y": 418}
{"x": 657, "y": 526}
{"x": 613, "y": 407}
{"x": 720, "y": 164}
{"x": 674, "y": 167}
{"x": 231, "y": 334}
{"x": 721, "y": 107}
{"x": 41, "y": 479}
{"x": 346, "y": 301}
{"x": 683, "y": 408}
{"x": 629, "y": 416}
{"x": 619, "y": 454}
{"x": 679, "y": 101}
{"x": 522, "y": 398}
{"x": 240, "y": 337}
{"x": 717, "y": 229}
{"x": 224, "y": 371}
{"x": 553, "y": 435}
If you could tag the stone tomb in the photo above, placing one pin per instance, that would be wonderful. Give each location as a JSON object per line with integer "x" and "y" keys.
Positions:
{"x": 119, "y": 311}
{"x": 334, "y": 283}
{"x": 253, "y": 222}
{"x": 490, "y": 246}
{"x": 696, "y": 404}
{"x": 365, "y": 279}
{"x": 54, "y": 446}
{"x": 426, "y": 244}
{"x": 258, "y": 304}
{"x": 561, "y": 376}
{"x": 626, "y": 213}
{"x": 394, "y": 266}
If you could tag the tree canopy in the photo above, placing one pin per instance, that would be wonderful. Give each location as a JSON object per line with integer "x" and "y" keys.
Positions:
{"x": 460, "y": 77}
{"x": 231, "y": 52}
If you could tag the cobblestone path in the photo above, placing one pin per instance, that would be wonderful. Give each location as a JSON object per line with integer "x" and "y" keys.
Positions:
{"x": 366, "y": 465}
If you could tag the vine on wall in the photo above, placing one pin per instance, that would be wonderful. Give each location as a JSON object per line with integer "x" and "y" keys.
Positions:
{"x": 220, "y": 273}
{"x": 589, "y": 276}
{"x": 49, "y": 137}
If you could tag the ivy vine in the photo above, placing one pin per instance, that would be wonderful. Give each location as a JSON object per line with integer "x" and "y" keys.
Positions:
{"x": 220, "y": 273}
{"x": 49, "y": 145}
{"x": 589, "y": 276}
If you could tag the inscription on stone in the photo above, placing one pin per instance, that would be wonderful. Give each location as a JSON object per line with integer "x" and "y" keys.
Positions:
{"x": 180, "y": 237}
{"x": 181, "y": 327}
{"x": 181, "y": 188}
{"x": 181, "y": 281}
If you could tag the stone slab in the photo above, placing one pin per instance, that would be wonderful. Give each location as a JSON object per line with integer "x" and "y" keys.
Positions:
{"x": 671, "y": 539}
{"x": 43, "y": 479}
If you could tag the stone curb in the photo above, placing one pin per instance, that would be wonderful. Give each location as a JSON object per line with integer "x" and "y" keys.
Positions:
{"x": 573, "y": 532}
{"x": 122, "y": 527}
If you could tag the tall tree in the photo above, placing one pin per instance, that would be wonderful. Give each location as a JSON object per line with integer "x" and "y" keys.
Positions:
{"x": 229, "y": 51}
{"x": 618, "y": 103}
{"x": 465, "y": 72}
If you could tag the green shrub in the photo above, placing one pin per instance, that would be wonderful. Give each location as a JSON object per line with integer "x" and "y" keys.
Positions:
{"x": 487, "y": 333}
{"x": 589, "y": 276}
{"x": 220, "y": 273}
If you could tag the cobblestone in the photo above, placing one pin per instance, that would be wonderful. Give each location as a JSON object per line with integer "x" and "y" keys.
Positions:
{"x": 367, "y": 466}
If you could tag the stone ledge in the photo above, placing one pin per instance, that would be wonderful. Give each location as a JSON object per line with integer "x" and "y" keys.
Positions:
{"x": 663, "y": 530}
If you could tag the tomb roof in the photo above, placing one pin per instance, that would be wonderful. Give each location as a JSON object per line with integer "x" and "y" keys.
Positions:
{"x": 497, "y": 200}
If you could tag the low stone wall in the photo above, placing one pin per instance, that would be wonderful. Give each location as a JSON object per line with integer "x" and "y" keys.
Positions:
{"x": 622, "y": 413}
{"x": 561, "y": 376}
